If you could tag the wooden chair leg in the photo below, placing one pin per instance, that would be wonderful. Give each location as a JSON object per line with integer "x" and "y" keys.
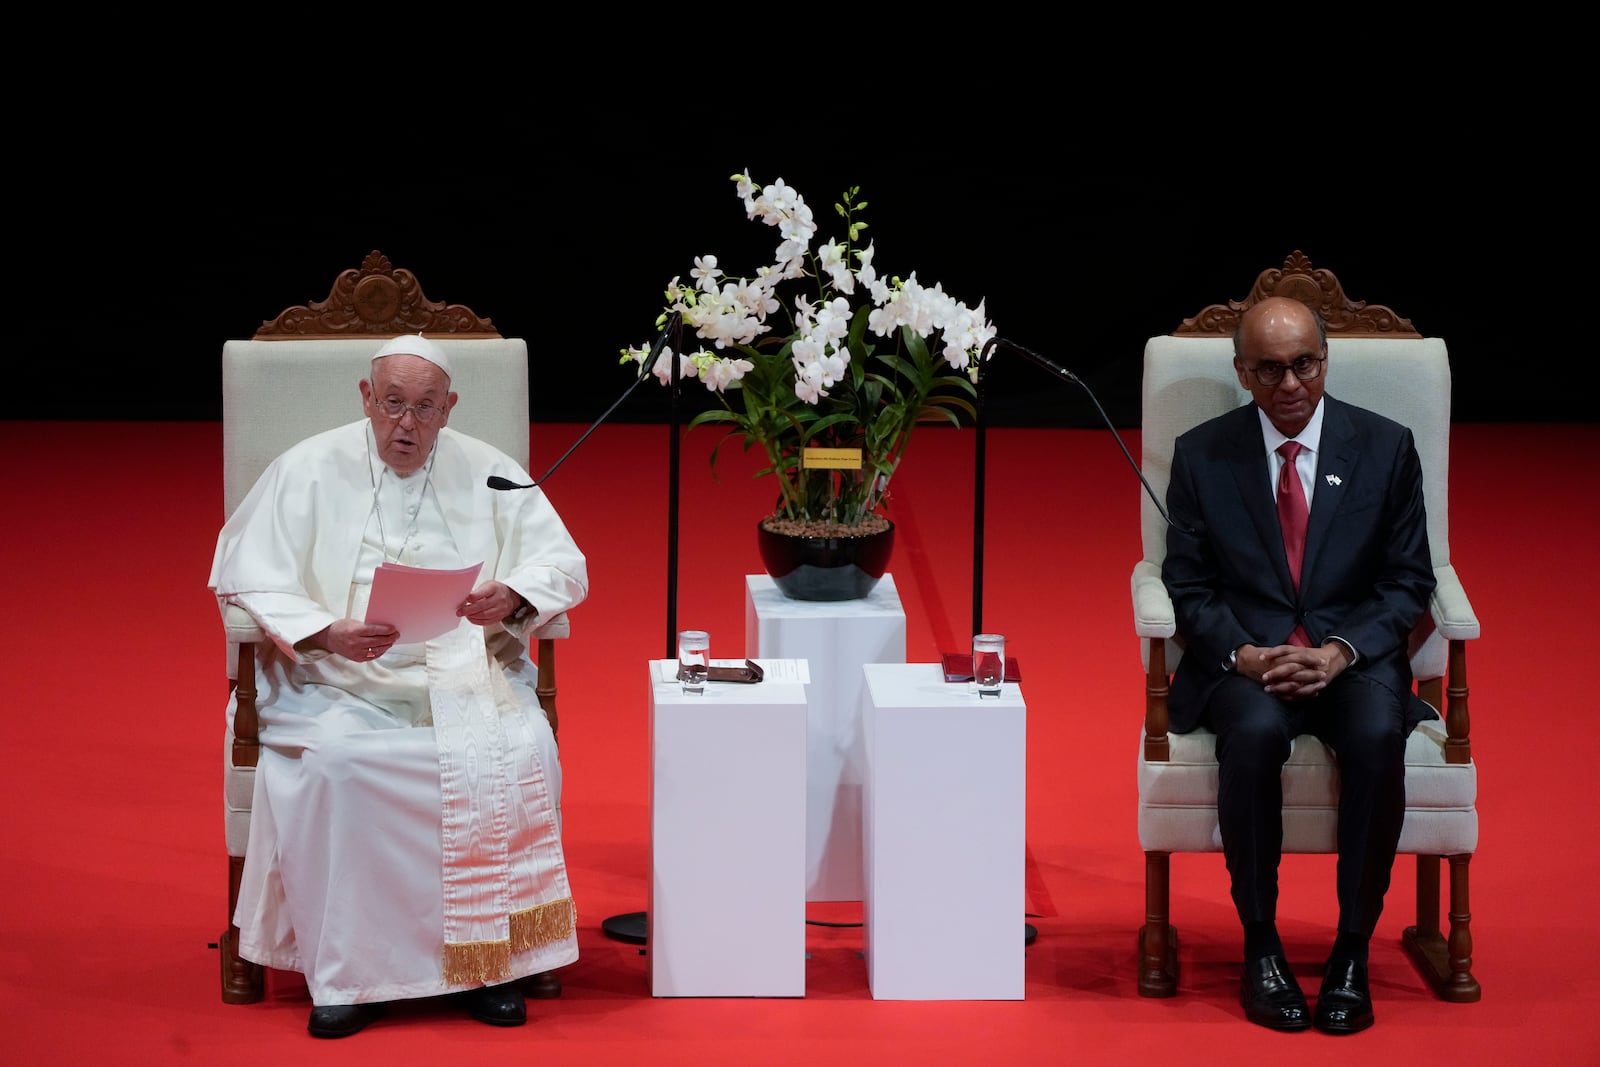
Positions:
{"x": 1461, "y": 987}
{"x": 545, "y": 686}
{"x": 243, "y": 982}
{"x": 545, "y": 986}
{"x": 1158, "y": 939}
{"x": 1445, "y": 963}
{"x": 542, "y": 986}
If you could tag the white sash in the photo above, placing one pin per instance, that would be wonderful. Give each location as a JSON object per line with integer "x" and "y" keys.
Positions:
{"x": 468, "y": 698}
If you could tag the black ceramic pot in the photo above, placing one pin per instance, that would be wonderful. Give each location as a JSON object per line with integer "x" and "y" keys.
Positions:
{"x": 825, "y": 568}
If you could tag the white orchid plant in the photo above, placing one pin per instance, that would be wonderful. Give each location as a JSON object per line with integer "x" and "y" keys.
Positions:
{"x": 832, "y": 400}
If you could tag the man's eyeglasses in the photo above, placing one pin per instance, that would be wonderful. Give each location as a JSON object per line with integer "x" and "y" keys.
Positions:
{"x": 1306, "y": 368}
{"x": 425, "y": 412}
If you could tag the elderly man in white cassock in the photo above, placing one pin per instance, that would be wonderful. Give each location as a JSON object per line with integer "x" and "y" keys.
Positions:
{"x": 405, "y": 838}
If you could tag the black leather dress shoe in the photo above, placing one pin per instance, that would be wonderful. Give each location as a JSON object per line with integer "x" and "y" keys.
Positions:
{"x": 1344, "y": 1004}
{"x": 342, "y": 1020}
{"x": 497, "y": 1005}
{"x": 1271, "y": 996}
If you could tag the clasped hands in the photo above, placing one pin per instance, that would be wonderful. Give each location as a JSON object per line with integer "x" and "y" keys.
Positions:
{"x": 1293, "y": 672}
{"x": 486, "y": 605}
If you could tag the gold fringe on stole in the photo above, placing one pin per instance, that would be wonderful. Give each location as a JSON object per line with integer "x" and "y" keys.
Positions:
{"x": 487, "y": 962}
{"x": 483, "y": 962}
{"x": 551, "y": 921}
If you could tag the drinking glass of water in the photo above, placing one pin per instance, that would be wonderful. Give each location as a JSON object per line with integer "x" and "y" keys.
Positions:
{"x": 988, "y": 663}
{"x": 694, "y": 659}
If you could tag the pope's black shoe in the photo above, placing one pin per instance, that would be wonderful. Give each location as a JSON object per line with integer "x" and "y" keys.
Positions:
{"x": 1344, "y": 1004}
{"x": 497, "y": 1005}
{"x": 1271, "y": 996}
{"x": 342, "y": 1020}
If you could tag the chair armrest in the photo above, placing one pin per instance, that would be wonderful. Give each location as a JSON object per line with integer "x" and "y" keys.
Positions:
{"x": 1153, "y": 616}
{"x": 553, "y": 627}
{"x": 240, "y": 626}
{"x": 1451, "y": 610}
{"x": 1152, "y": 607}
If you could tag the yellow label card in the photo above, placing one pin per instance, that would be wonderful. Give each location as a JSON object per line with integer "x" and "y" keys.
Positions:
{"x": 839, "y": 459}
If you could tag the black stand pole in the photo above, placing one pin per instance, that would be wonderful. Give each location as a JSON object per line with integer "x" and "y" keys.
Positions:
{"x": 980, "y": 464}
{"x": 977, "y": 569}
{"x": 979, "y": 476}
{"x": 674, "y": 460}
{"x": 633, "y": 927}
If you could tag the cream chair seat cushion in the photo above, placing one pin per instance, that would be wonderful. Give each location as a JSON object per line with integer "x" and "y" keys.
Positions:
{"x": 1178, "y": 798}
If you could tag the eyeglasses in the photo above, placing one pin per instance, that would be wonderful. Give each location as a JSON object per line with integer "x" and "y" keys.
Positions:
{"x": 425, "y": 412}
{"x": 1306, "y": 368}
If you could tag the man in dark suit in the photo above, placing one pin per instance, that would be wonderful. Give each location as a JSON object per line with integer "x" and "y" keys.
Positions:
{"x": 1299, "y": 624}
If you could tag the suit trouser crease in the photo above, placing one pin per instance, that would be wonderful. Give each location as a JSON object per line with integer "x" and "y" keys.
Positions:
{"x": 1363, "y": 723}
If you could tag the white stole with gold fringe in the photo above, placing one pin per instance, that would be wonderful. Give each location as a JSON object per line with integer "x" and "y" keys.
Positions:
{"x": 469, "y": 695}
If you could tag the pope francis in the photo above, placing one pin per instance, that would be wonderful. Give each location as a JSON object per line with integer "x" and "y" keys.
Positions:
{"x": 405, "y": 838}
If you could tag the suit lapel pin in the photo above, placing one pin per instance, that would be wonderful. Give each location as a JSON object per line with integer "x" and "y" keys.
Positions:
{"x": 1333, "y": 479}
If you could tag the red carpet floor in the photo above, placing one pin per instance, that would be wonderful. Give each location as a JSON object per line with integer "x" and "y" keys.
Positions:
{"x": 114, "y": 887}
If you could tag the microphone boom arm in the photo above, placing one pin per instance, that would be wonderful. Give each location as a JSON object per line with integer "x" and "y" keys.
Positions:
{"x": 497, "y": 482}
{"x": 1066, "y": 375}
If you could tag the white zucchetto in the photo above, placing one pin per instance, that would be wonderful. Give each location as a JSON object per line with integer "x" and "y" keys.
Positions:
{"x": 415, "y": 345}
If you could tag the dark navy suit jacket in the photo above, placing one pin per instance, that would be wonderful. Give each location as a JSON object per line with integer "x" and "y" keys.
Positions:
{"x": 1366, "y": 575}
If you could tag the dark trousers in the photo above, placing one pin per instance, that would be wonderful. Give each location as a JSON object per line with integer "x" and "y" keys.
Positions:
{"x": 1364, "y": 724}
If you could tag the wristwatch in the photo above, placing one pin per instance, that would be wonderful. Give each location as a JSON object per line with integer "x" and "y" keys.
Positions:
{"x": 524, "y": 609}
{"x": 1232, "y": 663}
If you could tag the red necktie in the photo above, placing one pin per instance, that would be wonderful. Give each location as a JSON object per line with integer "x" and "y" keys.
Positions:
{"x": 1292, "y": 516}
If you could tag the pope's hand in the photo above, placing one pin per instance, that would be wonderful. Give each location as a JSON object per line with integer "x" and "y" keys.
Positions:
{"x": 489, "y": 603}
{"x": 356, "y": 640}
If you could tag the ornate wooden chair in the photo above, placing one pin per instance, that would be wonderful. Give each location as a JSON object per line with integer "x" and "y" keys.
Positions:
{"x": 1378, "y": 361}
{"x": 298, "y": 376}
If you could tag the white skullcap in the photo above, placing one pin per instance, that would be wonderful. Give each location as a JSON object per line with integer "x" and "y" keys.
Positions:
{"x": 415, "y": 345}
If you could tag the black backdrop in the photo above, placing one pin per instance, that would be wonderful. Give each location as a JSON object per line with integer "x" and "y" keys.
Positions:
{"x": 568, "y": 239}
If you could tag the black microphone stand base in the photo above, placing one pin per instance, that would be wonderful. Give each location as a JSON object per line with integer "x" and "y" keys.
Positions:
{"x": 629, "y": 927}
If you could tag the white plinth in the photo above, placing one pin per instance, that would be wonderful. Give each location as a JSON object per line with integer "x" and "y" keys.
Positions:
{"x": 945, "y": 846}
{"x": 837, "y": 638}
{"x": 726, "y": 910}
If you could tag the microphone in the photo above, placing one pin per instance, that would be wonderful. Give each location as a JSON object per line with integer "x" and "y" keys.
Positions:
{"x": 673, "y": 320}
{"x": 1060, "y": 372}
{"x": 649, "y": 361}
{"x": 1066, "y": 375}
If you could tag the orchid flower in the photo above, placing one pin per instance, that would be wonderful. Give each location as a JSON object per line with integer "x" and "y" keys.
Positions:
{"x": 847, "y": 376}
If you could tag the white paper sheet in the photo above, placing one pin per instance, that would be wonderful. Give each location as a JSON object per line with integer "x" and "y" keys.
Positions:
{"x": 420, "y": 602}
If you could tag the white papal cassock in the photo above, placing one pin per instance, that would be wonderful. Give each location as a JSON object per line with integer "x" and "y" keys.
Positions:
{"x": 405, "y": 835}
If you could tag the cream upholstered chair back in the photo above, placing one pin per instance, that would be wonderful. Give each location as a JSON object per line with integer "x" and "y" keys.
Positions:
{"x": 276, "y": 393}
{"x": 1378, "y": 361}
{"x": 1188, "y": 379}
{"x": 297, "y": 376}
